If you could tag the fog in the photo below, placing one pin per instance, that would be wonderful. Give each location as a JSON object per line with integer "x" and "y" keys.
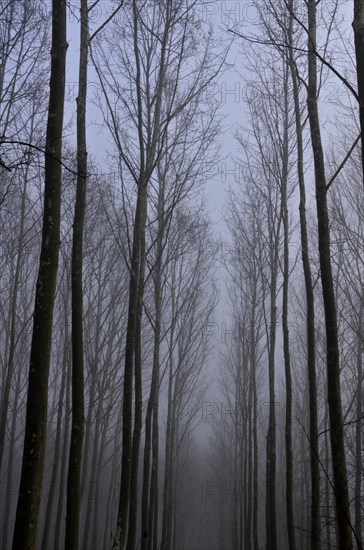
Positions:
{"x": 181, "y": 205}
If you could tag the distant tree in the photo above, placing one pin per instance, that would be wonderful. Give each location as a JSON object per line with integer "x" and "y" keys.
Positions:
{"x": 192, "y": 302}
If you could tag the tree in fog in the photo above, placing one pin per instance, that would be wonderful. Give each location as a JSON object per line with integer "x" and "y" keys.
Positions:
{"x": 178, "y": 179}
{"x": 191, "y": 307}
{"x": 269, "y": 167}
{"x": 26, "y": 522}
{"x": 245, "y": 359}
{"x": 22, "y": 74}
{"x": 77, "y": 431}
{"x": 358, "y": 27}
{"x": 346, "y": 205}
{"x": 333, "y": 357}
{"x": 310, "y": 316}
{"x": 149, "y": 96}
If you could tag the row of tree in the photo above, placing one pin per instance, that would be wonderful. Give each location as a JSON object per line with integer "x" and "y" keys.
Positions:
{"x": 124, "y": 286}
{"x": 108, "y": 284}
{"x": 312, "y": 477}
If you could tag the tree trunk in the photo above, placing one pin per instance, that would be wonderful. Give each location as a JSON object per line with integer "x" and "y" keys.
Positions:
{"x": 167, "y": 504}
{"x": 358, "y": 430}
{"x": 310, "y": 315}
{"x": 131, "y": 338}
{"x": 138, "y": 407}
{"x": 127, "y": 512}
{"x": 271, "y": 456}
{"x": 151, "y": 419}
{"x": 58, "y": 440}
{"x": 27, "y": 514}
{"x": 358, "y": 26}
{"x": 5, "y": 394}
{"x": 78, "y": 419}
{"x": 11, "y": 461}
{"x": 253, "y": 367}
{"x": 58, "y": 528}
{"x": 285, "y": 329}
{"x": 340, "y": 480}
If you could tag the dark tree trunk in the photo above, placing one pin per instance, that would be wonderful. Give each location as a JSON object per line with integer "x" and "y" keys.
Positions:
{"x": 27, "y": 514}
{"x": 138, "y": 409}
{"x": 131, "y": 336}
{"x": 310, "y": 315}
{"x": 358, "y": 26}
{"x": 78, "y": 420}
{"x": 285, "y": 328}
{"x": 358, "y": 431}
{"x": 271, "y": 453}
{"x": 127, "y": 512}
{"x": 340, "y": 479}
{"x": 151, "y": 420}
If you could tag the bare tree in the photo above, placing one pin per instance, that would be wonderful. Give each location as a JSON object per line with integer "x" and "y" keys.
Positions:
{"x": 27, "y": 515}
{"x": 160, "y": 34}
{"x": 310, "y": 316}
{"x": 78, "y": 421}
{"x": 333, "y": 357}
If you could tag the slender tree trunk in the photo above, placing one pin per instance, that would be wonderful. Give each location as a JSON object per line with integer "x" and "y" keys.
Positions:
{"x": 131, "y": 337}
{"x": 358, "y": 26}
{"x": 286, "y": 346}
{"x": 151, "y": 430}
{"x": 97, "y": 489}
{"x": 27, "y": 514}
{"x": 358, "y": 430}
{"x": 340, "y": 479}
{"x": 138, "y": 409}
{"x": 250, "y": 462}
{"x": 255, "y": 479}
{"x": 5, "y": 394}
{"x": 9, "y": 353}
{"x": 167, "y": 504}
{"x": 127, "y": 512}
{"x": 154, "y": 485}
{"x": 78, "y": 419}
{"x": 58, "y": 528}
{"x": 58, "y": 441}
{"x": 271, "y": 455}
{"x": 92, "y": 398}
{"x": 327, "y": 491}
{"x": 310, "y": 315}
{"x": 11, "y": 460}
{"x": 112, "y": 492}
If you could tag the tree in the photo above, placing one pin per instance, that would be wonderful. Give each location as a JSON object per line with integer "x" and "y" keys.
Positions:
{"x": 310, "y": 315}
{"x": 27, "y": 515}
{"x": 333, "y": 358}
{"x": 21, "y": 109}
{"x": 78, "y": 420}
{"x": 150, "y": 97}
{"x": 358, "y": 26}
{"x": 191, "y": 308}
